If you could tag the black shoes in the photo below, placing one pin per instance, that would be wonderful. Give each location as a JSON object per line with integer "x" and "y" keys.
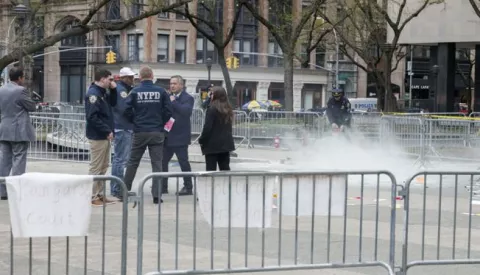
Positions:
{"x": 155, "y": 201}
{"x": 4, "y": 198}
{"x": 185, "y": 192}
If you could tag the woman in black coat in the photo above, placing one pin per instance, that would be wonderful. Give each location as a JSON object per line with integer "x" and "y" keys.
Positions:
{"x": 216, "y": 139}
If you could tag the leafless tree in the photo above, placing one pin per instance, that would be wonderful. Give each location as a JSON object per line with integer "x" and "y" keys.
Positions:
{"x": 286, "y": 27}
{"x": 86, "y": 25}
{"x": 211, "y": 28}
{"x": 364, "y": 35}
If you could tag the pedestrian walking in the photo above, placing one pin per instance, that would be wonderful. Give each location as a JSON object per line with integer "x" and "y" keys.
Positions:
{"x": 122, "y": 140}
{"x": 216, "y": 139}
{"x": 179, "y": 137}
{"x": 149, "y": 107}
{"x": 100, "y": 129}
{"x": 16, "y": 129}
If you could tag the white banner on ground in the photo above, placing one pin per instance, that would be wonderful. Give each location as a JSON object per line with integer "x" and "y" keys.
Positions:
{"x": 306, "y": 196}
{"x": 257, "y": 214}
{"x": 49, "y": 205}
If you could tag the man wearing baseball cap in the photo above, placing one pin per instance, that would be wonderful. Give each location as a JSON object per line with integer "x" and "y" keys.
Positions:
{"x": 123, "y": 130}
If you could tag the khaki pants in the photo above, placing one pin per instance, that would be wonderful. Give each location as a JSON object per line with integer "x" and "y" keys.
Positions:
{"x": 100, "y": 155}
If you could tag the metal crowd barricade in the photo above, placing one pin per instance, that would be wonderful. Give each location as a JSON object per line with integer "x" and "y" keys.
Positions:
{"x": 196, "y": 121}
{"x": 59, "y": 139}
{"x": 241, "y": 222}
{"x": 404, "y": 134}
{"x": 445, "y": 137}
{"x": 289, "y": 126}
{"x": 438, "y": 226}
{"x": 367, "y": 124}
{"x": 240, "y": 127}
{"x": 103, "y": 251}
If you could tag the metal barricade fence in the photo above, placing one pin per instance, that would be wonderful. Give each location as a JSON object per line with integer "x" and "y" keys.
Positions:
{"x": 445, "y": 138}
{"x": 289, "y": 126}
{"x": 240, "y": 127}
{"x": 103, "y": 251}
{"x": 438, "y": 226}
{"x": 59, "y": 139}
{"x": 367, "y": 124}
{"x": 196, "y": 121}
{"x": 403, "y": 133}
{"x": 230, "y": 225}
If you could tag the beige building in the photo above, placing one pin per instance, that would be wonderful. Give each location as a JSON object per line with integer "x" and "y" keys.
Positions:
{"x": 444, "y": 38}
{"x": 170, "y": 45}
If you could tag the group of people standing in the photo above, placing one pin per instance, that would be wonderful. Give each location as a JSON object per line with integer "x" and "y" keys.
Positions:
{"x": 148, "y": 116}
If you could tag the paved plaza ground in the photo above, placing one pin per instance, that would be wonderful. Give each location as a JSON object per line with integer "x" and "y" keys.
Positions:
{"x": 365, "y": 237}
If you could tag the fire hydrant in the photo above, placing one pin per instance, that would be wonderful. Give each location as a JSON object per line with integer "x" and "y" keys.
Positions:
{"x": 276, "y": 141}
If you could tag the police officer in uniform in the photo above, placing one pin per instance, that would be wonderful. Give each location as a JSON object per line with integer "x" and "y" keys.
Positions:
{"x": 149, "y": 107}
{"x": 100, "y": 129}
{"x": 339, "y": 110}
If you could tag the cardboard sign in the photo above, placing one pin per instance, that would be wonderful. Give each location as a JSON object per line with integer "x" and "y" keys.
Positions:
{"x": 49, "y": 205}
{"x": 219, "y": 202}
{"x": 168, "y": 126}
{"x": 306, "y": 194}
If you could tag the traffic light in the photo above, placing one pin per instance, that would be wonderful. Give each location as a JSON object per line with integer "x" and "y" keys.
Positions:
{"x": 111, "y": 57}
{"x": 236, "y": 62}
{"x": 229, "y": 62}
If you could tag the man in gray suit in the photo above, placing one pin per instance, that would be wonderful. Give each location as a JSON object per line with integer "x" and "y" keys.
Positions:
{"x": 16, "y": 129}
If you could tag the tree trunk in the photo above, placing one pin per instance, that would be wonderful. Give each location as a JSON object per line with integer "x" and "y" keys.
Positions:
{"x": 288, "y": 81}
{"x": 390, "y": 100}
{"x": 226, "y": 74}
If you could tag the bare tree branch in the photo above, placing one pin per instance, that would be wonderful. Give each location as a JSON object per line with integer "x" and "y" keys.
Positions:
{"x": 475, "y": 6}
{"x": 83, "y": 28}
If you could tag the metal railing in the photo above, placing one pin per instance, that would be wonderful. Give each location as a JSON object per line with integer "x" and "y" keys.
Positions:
{"x": 445, "y": 225}
{"x": 61, "y": 135}
{"x": 229, "y": 225}
{"x": 72, "y": 255}
{"x": 245, "y": 222}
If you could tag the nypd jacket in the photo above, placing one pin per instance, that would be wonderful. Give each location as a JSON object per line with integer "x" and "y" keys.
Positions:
{"x": 148, "y": 107}
{"x": 122, "y": 122}
{"x": 339, "y": 111}
{"x": 98, "y": 112}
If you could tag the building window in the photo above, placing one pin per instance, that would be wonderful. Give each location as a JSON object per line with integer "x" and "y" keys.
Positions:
{"x": 244, "y": 46}
{"x": 274, "y": 49}
{"x": 163, "y": 15}
{"x": 180, "y": 48}
{"x": 113, "y": 10}
{"x": 162, "y": 47}
{"x": 135, "y": 47}
{"x": 205, "y": 49}
{"x": 180, "y": 17}
{"x": 114, "y": 42}
{"x": 137, "y": 7}
{"x": 320, "y": 53}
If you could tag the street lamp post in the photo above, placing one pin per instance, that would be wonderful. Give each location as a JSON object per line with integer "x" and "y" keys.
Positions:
{"x": 209, "y": 69}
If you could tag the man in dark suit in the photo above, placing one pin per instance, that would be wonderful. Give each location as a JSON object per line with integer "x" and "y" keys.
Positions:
{"x": 16, "y": 129}
{"x": 179, "y": 137}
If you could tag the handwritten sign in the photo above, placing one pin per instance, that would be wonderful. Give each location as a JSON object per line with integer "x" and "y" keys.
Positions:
{"x": 49, "y": 205}
{"x": 239, "y": 209}
{"x": 306, "y": 194}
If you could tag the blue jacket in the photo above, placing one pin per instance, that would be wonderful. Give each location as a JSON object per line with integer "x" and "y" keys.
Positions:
{"x": 180, "y": 134}
{"x": 121, "y": 121}
{"x": 149, "y": 107}
{"x": 339, "y": 111}
{"x": 98, "y": 112}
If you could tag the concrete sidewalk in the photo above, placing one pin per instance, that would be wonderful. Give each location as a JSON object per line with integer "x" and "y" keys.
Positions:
{"x": 263, "y": 155}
